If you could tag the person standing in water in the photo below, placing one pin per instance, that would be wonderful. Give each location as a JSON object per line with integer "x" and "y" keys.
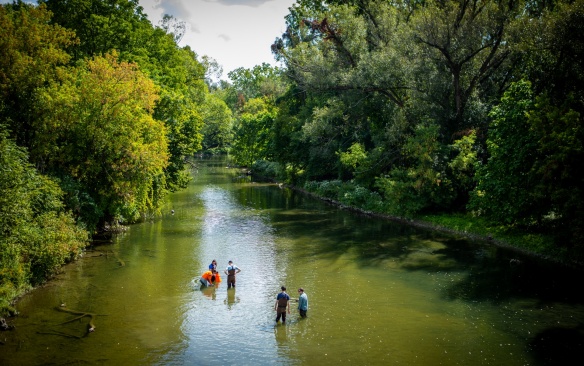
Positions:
{"x": 213, "y": 265}
{"x": 230, "y": 271}
{"x": 302, "y": 303}
{"x": 282, "y": 305}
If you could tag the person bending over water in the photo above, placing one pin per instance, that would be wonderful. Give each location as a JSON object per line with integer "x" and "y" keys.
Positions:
{"x": 210, "y": 278}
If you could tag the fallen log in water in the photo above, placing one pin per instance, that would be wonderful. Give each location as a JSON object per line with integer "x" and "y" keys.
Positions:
{"x": 62, "y": 334}
{"x": 81, "y": 315}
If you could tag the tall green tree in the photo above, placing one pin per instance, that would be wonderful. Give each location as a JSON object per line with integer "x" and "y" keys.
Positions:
{"x": 218, "y": 127}
{"x": 99, "y": 130}
{"x": 467, "y": 44}
{"x": 260, "y": 81}
{"x": 531, "y": 177}
{"x": 252, "y": 132}
{"x": 181, "y": 81}
{"x": 33, "y": 53}
{"x": 121, "y": 25}
{"x": 101, "y": 25}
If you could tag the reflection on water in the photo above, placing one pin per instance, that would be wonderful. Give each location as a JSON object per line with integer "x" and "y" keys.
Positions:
{"x": 378, "y": 293}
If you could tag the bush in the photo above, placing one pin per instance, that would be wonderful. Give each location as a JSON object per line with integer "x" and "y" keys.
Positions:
{"x": 347, "y": 193}
{"x": 37, "y": 235}
{"x": 268, "y": 169}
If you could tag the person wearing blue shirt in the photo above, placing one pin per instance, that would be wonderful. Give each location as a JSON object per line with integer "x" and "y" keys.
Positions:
{"x": 302, "y": 303}
{"x": 213, "y": 265}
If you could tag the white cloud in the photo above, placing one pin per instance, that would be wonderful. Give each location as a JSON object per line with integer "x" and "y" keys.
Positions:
{"x": 225, "y": 37}
{"x": 236, "y": 33}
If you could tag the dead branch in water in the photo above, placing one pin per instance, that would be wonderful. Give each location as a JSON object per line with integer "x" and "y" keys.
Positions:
{"x": 120, "y": 260}
{"x": 81, "y": 315}
{"x": 62, "y": 334}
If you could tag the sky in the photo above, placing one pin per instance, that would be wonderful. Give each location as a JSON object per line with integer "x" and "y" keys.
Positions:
{"x": 236, "y": 33}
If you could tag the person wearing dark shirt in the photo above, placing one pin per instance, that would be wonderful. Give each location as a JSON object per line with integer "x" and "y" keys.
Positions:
{"x": 282, "y": 305}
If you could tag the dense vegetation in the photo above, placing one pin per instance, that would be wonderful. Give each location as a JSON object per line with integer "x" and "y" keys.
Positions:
{"x": 466, "y": 113}
{"x": 99, "y": 112}
{"x": 468, "y": 109}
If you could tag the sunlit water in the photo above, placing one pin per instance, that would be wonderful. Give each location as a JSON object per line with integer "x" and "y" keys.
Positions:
{"x": 379, "y": 293}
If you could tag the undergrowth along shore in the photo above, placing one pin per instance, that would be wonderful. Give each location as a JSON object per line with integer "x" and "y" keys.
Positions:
{"x": 474, "y": 228}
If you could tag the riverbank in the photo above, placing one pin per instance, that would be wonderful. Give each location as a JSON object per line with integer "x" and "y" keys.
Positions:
{"x": 535, "y": 245}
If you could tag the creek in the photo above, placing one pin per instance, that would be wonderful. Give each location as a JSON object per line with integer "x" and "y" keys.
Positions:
{"x": 379, "y": 293}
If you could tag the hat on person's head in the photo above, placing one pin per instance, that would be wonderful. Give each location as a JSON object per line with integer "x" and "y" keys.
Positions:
{"x": 283, "y": 288}
{"x": 230, "y": 261}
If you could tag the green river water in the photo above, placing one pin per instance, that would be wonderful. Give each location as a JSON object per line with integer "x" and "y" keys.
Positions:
{"x": 379, "y": 293}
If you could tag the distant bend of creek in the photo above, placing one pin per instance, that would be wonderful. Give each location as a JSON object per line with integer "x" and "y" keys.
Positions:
{"x": 379, "y": 293}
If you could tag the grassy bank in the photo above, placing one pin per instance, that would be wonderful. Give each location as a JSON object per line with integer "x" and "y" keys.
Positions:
{"x": 543, "y": 245}
{"x": 537, "y": 244}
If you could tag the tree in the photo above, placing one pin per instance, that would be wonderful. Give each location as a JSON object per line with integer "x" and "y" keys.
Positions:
{"x": 99, "y": 130}
{"x": 469, "y": 40}
{"x": 102, "y": 26}
{"x": 532, "y": 177}
{"x": 180, "y": 78}
{"x": 421, "y": 184}
{"x": 260, "y": 81}
{"x": 252, "y": 132}
{"x": 121, "y": 25}
{"x": 37, "y": 234}
{"x": 218, "y": 128}
{"x": 33, "y": 52}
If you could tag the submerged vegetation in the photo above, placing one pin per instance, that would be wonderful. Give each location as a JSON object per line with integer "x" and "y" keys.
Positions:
{"x": 462, "y": 113}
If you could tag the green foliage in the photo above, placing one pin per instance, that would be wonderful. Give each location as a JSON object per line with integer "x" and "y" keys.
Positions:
{"x": 121, "y": 26}
{"x": 252, "y": 132}
{"x": 37, "y": 235}
{"x": 331, "y": 189}
{"x": 558, "y": 177}
{"x": 99, "y": 131}
{"x": 347, "y": 193}
{"x": 354, "y": 156}
{"x": 466, "y": 44}
{"x": 532, "y": 177}
{"x": 33, "y": 52}
{"x": 462, "y": 167}
{"x": 540, "y": 244}
{"x": 423, "y": 184}
{"x": 180, "y": 79}
{"x": 102, "y": 26}
{"x": 503, "y": 183}
{"x": 268, "y": 169}
{"x": 260, "y": 81}
{"x": 217, "y": 130}
{"x": 553, "y": 60}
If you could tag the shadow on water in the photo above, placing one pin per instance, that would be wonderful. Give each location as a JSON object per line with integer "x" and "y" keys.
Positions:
{"x": 559, "y": 346}
{"x": 488, "y": 274}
